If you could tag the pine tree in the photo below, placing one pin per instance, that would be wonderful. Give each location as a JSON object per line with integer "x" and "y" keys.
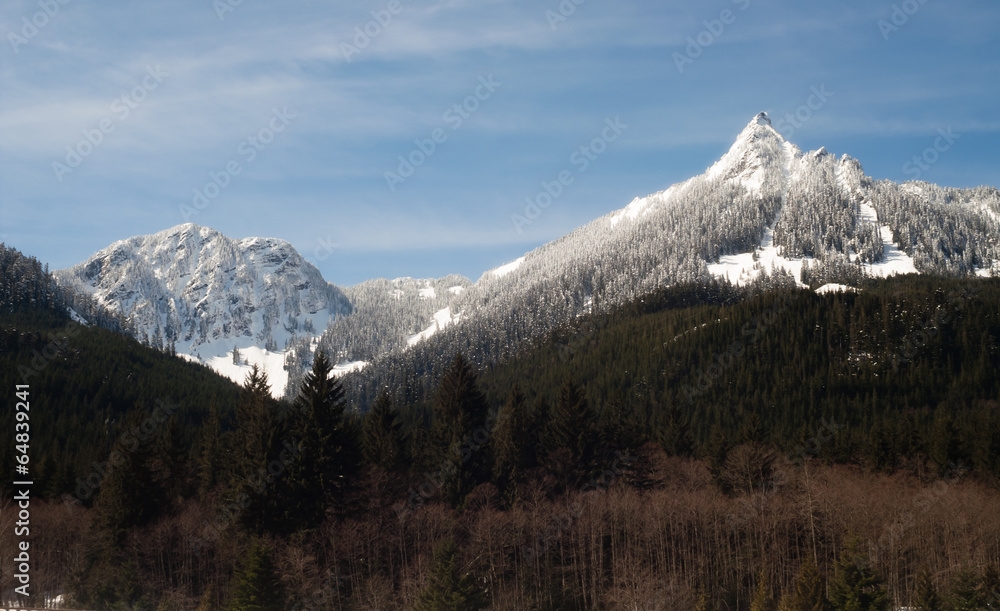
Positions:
{"x": 459, "y": 418}
{"x": 674, "y": 433}
{"x": 328, "y": 457}
{"x": 571, "y": 424}
{"x": 807, "y": 591}
{"x": 382, "y": 441}
{"x": 257, "y": 446}
{"x": 513, "y": 444}
{"x": 210, "y": 599}
{"x": 856, "y": 587}
{"x": 965, "y": 592}
{"x": 762, "y": 598}
{"x": 926, "y": 597}
{"x": 256, "y": 586}
{"x": 447, "y": 589}
{"x": 210, "y": 453}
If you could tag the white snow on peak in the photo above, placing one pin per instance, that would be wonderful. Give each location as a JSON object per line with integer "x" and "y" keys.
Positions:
{"x": 503, "y": 270}
{"x": 427, "y": 292}
{"x": 456, "y": 290}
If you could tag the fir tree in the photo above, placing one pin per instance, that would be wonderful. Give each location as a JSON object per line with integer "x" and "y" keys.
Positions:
{"x": 926, "y": 597}
{"x": 447, "y": 589}
{"x": 382, "y": 441}
{"x": 459, "y": 420}
{"x": 856, "y": 587}
{"x": 965, "y": 594}
{"x": 571, "y": 424}
{"x": 762, "y": 598}
{"x": 256, "y": 586}
{"x": 807, "y": 591}
{"x": 328, "y": 457}
{"x": 257, "y": 445}
{"x": 513, "y": 444}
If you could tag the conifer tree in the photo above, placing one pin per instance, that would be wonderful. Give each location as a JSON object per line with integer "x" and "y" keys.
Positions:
{"x": 210, "y": 452}
{"x": 926, "y": 597}
{"x": 513, "y": 444}
{"x": 328, "y": 456}
{"x": 382, "y": 441}
{"x": 257, "y": 444}
{"x": 807, "y": 592}
{"x": 856, "y": 586}
{"x": 674, "y": 433}
{"x": 459, "y": 418}
{"x": 571, "y": 424}
{"x": 762, "y": 598}
{"x": 256, "y": 586}
{"x": 965, "y": 592}
{"x": 448, "y": 589}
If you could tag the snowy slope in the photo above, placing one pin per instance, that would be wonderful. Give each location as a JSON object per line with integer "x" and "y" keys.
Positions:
{"x": 203, "y": 293}
{"x": 765, "y": 212}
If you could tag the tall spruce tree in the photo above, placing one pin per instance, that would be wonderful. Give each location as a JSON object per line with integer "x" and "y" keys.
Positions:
{"x": 448, "y": 589}
{"x": 459, "y": 425}
{"x": 513, "y": 445}
{"x": 328, "y": 456}
{"x": 571, "y": 424}
{"x": 257, "y": 446}
{"x": 382, "y": 441}
{"x": 966, "y": 593}
{"x": 807, "y": 592}
{"x": 762, "y": 598}
{"x": 926, "y": 597}
{"x": 856, "y": 586}
{"x": 256, "y": 586}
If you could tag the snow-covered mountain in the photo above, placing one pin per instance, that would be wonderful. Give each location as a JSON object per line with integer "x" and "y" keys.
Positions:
{"x": 201, "y": 293}
{"x": 764, "y": 213}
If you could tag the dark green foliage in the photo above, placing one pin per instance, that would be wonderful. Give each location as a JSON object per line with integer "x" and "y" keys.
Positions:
{"x": 129, "y": 495}
{"x": 382, "y": 440}
{"x": 257, "y": 446}
{"x": 459, "y": 428}
{"x": 856, "y": 586}
{"x": 572, "y": 425}
{"x": 763, "y": 600}
{"x": 513, "y": 444}
{"x": 926, "y": 597}
{"x": 449, "y": 589}
{"x": 256, "y": 586}
{"x": 808, "y": 592}
{"x": 966, "y": 592}
{"x": 328, "y": 456}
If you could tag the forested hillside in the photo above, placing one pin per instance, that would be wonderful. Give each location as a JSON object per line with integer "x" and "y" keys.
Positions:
{"x": 701, "y": 447}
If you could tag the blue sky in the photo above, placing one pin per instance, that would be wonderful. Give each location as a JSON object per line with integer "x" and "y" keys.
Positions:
{"x": 301, "y": 129}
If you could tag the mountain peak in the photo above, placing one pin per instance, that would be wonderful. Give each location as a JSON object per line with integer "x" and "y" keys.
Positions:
{"x": 761, "y": 119}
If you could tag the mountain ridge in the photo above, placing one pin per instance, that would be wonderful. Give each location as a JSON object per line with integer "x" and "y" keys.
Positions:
{"x": 765, "y": 212}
